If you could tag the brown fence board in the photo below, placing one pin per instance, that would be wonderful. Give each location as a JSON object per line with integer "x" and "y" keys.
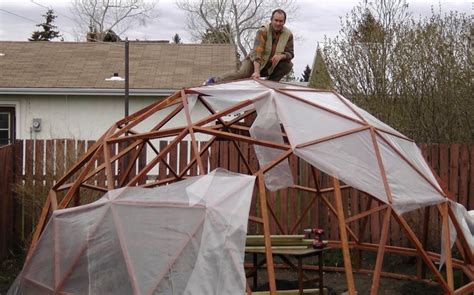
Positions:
{"x": 27, "y": 219}
{"x": 375, "y": 224}
{"x": 39, "y": 175}
{"x": 214, "y": 155}
{"x": 70, "y": 153}
{"x": 463, "y": 175}
{"x": 305, "y": 196}
{"x": 292, "y": 196}
{"x": 233, "y": 157}
{"x": 39, "y": 161}
{"x": 224, "y": 154}
{"x": 454, "y": 168}
{"x": 142, "y": 160}
{"x": 354, "y": 209}
{"x": 49, "y": 161}
{"x": 81, "y": 148}
{"x": 60, "y": 157}
{"x": 161, "y": 167}
{"x": 315, "y": 208}
{"x": 6, "y": 199}
{"x": 17, "y": 206}
{"x": 284, "y": 209}
{"x": 444, "y": 163}
{"x": 205, "y": 156}
{"x": 173, "y": 159}
{"x": 363, "y": 202}
{"x": 471, "y": 185}
{"x": 346, "y": 198}
{"x": 183, "y": 155}
{"x": 271, "y": 203}
{"x": 435, "y": 158}
{"x": 324, "y": 210}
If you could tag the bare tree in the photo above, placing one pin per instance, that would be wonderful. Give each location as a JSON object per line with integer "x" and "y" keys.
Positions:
{"x": 412, "y": 73}
{"x": 231, "y": 20}
{"x": 102, "y": 16}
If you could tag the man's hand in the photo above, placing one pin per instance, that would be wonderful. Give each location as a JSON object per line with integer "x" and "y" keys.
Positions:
{"x": 256, "y": 74}
{"x": 256, "y": 70}
{"x": 277, "y": 58}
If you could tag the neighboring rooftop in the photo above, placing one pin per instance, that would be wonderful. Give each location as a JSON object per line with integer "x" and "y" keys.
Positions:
{"x": 153, "y": 65}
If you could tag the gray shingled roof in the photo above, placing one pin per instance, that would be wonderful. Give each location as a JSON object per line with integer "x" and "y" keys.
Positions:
{"x": 153, "y": 65}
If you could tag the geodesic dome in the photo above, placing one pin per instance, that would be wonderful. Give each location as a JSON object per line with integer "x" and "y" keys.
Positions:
{"x": 321, "y": 127}
{"x": 337, "y": 137}
{"x": 164, "y": 240}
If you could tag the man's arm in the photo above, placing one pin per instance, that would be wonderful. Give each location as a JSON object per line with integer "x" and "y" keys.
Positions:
{"x": 289, "y": 49}
{"x": 258, "y": 49}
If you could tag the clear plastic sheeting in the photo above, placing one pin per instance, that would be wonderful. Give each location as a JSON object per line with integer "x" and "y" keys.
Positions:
{"x": 409, "y": 189}
{"x": 192, "y": 99}
{"x": 412, "y": 154}
{"x": 267, "y": 127}
{"x": 345, "y": 157}
{"x": 222, "y": 96}
{"x": 183, "y": 238}
{"x": 280, "y": 85}
{"x": 304, "y": 122}
{"x": 466, "y": 221}
{"x": 327, "y": 100}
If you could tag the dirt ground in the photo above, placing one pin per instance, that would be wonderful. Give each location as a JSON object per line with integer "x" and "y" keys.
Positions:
{"x": 334, "y": 281}
{"x": 336, "y": 284}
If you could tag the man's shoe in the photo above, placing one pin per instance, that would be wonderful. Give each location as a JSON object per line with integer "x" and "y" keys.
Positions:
{"x": 209, "y": 81}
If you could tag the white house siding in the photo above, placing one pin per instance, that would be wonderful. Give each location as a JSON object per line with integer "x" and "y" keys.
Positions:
{"x": 80, "y": 117}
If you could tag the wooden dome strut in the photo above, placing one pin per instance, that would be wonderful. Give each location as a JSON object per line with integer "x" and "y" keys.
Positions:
{"x": 85, "y": 169}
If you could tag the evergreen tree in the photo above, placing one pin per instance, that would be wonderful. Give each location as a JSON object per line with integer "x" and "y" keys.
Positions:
{"x": 306, "y": 74}
{"x": 320, "y": 76}
{"x": 48, "y": 33}
{"x": 176, "y": 39}
{"x": 369, "y": 30}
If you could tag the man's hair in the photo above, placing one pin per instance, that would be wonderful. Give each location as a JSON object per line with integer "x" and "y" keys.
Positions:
{"x": 279, "y": 11}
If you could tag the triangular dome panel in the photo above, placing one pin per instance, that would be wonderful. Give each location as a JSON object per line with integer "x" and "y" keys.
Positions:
{"x": 304, "y": 122}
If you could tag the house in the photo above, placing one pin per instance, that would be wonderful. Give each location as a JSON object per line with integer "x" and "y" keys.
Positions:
{"x": 59, "y": 89}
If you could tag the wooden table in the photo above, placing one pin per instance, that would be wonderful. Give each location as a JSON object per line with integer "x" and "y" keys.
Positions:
{"x": 284, "y": 253}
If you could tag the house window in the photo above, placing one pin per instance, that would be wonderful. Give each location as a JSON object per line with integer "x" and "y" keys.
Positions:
{"x": 7, "y": 125}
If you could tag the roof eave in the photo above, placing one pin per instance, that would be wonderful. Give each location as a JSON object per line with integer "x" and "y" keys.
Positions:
{"x": 87, "y": 91}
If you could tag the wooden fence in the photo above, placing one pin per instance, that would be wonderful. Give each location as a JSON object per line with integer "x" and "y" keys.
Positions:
{"x": 35, "y": 164}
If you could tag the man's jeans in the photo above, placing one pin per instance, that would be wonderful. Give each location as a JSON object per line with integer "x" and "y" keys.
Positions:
{"x": 246, "y": 70}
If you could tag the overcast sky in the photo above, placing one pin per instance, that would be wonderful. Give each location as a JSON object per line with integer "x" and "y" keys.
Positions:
{"x": 315, "y": 18}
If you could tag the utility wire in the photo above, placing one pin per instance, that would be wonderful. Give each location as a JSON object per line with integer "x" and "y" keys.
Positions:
{"x": 41, "y": 5}
{"x": 9, "y": 12}
{"x": 31, "y": 20}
